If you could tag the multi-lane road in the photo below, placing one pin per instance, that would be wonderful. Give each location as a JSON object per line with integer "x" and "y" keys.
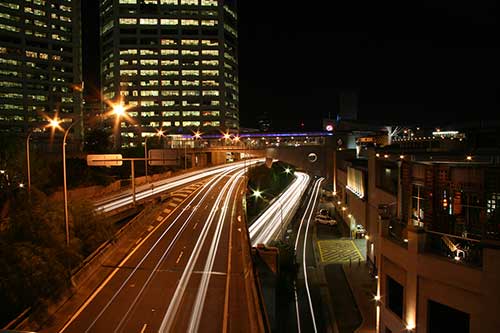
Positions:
{"x": 192, "y": 273}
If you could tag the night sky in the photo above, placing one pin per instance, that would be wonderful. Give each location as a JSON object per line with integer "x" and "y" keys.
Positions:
{"x": 408, "y": 61}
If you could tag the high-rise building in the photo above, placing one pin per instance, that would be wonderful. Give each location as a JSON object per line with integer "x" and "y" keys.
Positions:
{"x": 172, "y": 63}
{"x": 40, "y": 62}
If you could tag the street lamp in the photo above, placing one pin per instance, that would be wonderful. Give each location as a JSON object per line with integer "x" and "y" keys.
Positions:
{"x": 28, "y": 160}
{"x": 55, "y": 123}
{"x": 159, "y": 133}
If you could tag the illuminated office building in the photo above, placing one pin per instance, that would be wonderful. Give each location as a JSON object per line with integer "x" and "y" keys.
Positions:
{"x": 40, "y": 62}
{"x": 172, "y": 63}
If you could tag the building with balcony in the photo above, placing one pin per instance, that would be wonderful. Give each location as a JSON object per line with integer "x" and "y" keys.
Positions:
{"x": 172, "y": 63}
{"x": 40, "y": 62}
{"x": 428, "y": 209}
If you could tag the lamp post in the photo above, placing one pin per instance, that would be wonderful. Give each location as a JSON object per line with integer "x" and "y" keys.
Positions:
{"x": 55, "y": 123}
{"x": 28, "y": 161}
{"x": 159, "y": 133}
{"x": 66, "y": 220}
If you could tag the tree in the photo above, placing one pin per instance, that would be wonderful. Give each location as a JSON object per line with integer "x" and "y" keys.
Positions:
{"x": 97, "y": 141}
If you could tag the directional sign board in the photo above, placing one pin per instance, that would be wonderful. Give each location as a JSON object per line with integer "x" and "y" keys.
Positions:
{"x": 104, "y": 160}
{"x": 162, "y": 157}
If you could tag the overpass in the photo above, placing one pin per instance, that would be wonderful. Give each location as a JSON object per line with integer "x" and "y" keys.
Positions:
{"x": 311, "y": 152}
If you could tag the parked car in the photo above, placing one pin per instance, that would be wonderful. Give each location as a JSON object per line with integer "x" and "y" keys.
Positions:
{"x": 323, "y": 212}
{"x": 322, "y": 219}
{"x": 360, "y": 231}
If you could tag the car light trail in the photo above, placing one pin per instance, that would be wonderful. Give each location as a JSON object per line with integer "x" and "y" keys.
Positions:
{"x": 211, "y": 184}
{"x": 209, "y": 264}
{"x": 161, "y": 186}
{"x": 307, "y": 217}
{"x": 176, "y": 300}
{"x": 268, "y": 225}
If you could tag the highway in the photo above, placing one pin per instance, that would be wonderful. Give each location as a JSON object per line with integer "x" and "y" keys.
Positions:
{"x": 269, "y": 225}
{"x": 142, "y": 192}
{"x": 192, "y": 273}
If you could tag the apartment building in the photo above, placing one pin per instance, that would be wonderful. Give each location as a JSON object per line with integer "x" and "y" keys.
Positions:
{"x": 431, "y": 221}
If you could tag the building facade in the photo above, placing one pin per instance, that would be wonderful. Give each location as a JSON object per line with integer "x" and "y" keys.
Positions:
{"x": 40, "y": 62}
{"x": 172, "y": 64}
{"x": 431, "y": 222}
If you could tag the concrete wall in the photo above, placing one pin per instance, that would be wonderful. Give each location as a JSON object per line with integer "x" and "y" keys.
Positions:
{"x": 298, "y": 156}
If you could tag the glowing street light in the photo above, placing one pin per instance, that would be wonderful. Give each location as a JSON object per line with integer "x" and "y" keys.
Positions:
{"x": 257, "y": 193}
{"x": 118, "y": 109}
{"x": 197, "y": 135}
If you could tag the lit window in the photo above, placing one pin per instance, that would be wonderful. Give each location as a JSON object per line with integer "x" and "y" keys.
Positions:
{"x": 169, "y": 21}
{"x": 189, "y": 22}
{"x": 190, "y": 93}
{"x": 148, "y": 21}
{"x": 190, "y": 113}
{"x": 210, "y": 93}
{"x": 209, "y": 23}
{"x": 191, "y": 123}
{"x": 170, "y": 113}
{"x": 170, "y": 93}
{"x": 189, "y": 42}
{"x": 210, "y": 52}
{"x": 209, "y": 2}
{"x": 190, "y": 52}
{"x": 124, "y": 20}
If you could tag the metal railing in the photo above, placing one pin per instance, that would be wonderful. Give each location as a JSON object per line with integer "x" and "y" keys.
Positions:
{"x": 398, "y": 232}
{"x": 458, "y": 249}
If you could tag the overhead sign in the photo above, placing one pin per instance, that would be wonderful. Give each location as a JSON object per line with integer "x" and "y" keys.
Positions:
{"x": 104, "y": 160}
{"x": 162, "y": 157}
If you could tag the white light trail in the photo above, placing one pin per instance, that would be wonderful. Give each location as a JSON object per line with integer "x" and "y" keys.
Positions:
{"x": 165, "y": 185}
{"x": 269, "y": 224}
{"x": 176, "y": 300}
{"x": 211, "y": 183}
{"x": 307, "y": 217}
{"x": 197, "y": 311}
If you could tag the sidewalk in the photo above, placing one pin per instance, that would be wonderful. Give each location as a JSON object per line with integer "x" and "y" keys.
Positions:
{"x": 361, "y": 284}
{"x": 363, "y": 287}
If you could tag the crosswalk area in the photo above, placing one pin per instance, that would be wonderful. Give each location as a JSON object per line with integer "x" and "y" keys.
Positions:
{"x": 338, "y": 251}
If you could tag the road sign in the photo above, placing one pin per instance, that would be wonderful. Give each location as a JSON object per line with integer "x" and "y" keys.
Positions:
{"x": 104, "y": 160}
{"x": 162, "y": 157}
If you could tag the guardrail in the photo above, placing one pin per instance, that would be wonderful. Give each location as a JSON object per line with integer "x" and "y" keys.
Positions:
{"x": 397, "y": 232}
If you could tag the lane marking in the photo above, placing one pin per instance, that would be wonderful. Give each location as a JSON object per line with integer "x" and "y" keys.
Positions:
{"x": 209, "y": 273}
{"x": 195, "y": 225}
{"x": 179, "y": 257}
{"x": 137, "y": 241}
{"x": 166, "y": 210}
{"x": 111, "y": 275}
{"x": 144, "y": 328}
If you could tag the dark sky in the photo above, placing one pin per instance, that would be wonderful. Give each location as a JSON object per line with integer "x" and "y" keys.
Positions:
{"x": 406, "y": 60}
